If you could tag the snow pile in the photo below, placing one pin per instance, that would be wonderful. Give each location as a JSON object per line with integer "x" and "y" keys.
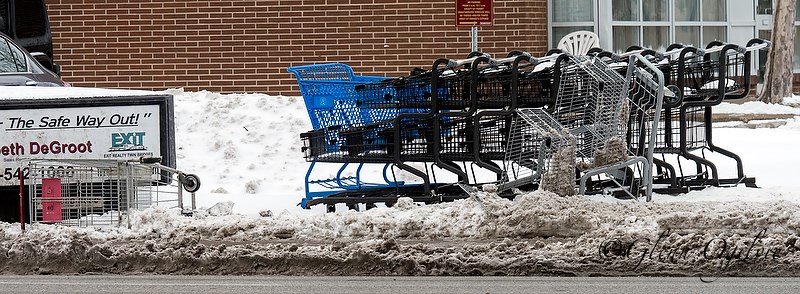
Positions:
{"x": 537, "y": 233}
{"x": 246, "y": 150}
{"x": 755, "y": 107}
{"x": 793, "y": 101}
{"x": 244, "y": 147}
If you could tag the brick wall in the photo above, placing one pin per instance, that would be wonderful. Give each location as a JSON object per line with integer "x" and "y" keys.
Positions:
{"x": 246, "y": 45}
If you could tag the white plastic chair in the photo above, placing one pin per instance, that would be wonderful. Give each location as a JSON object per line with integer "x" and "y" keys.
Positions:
{"x": 578, "y": 43}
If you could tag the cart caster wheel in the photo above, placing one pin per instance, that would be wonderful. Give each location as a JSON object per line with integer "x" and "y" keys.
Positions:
{"x": 389, "y": 204}
{"x": 352, "y": 206}
{"x": 330, "y": 208}
{"x": 673, "y": 98}
{"x": 190, "y": 182}
{"x": 370, "y": 206}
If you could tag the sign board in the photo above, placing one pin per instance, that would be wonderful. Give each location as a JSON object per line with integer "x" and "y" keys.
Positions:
{"x": 121, "y": 128}
{"x": 51, "y": 200}
{"x": 474, "y": 13}
{"x": 110, "y": 132}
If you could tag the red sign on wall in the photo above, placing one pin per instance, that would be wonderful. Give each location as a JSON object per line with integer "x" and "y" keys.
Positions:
{"x": 51, "y": 200}
{"x": 474, "y": 13}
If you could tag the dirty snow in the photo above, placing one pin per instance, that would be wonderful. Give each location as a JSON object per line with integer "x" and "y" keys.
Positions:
{"x": 246, "y": 150}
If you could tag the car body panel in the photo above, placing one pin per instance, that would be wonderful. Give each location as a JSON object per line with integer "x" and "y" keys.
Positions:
{"x": 20, "y": 68}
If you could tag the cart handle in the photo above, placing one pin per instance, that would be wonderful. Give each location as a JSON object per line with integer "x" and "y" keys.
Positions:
{"x": 551, "y": 57}
{"x": 723, "y": 47}
{"x": 451, "y": 63}
{"x": 511, "y": 59}
{"x": 758, "y": 44}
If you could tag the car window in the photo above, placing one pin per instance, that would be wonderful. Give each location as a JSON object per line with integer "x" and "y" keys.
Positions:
{"x": 11, "y": 58}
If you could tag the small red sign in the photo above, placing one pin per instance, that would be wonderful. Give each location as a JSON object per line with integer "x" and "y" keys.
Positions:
{"x": 474, "y": 13}
{"x": 51, "y": 200}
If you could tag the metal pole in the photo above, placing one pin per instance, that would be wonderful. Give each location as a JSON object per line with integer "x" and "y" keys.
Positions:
{"x": 180, "y": 192}
{"x": 21, "y": 198}
{"x": 474, "y": 35}
{"x": 129, "y": 189}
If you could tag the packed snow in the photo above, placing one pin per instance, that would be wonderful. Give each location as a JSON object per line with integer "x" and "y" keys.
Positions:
{"x": 246, "y": 150}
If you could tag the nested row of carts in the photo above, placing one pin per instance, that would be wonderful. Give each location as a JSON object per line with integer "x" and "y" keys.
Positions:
{"x": 621, "y": 124}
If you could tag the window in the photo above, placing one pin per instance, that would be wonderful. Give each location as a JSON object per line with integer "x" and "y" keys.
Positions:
{"x": 658, "y": 23}
{"x": 11, "y": 58}
{"x": 625, "y": 10}
{"x": 719, "y": 33}
{"x": 687, "y": 10}
{"x": 764, "y": 7}
{"x": 572, "y": 11}
{"x": 625, "y": 35}
{"x": 796, "y": 57}
{"x": 687, "y": 34}
{"x": 655, "y": 10}
{"x": 650, "y": 10}
{"x": 656, "y": 37}
{"x": 571, "y": 15}
{"x": 714, "y": 10}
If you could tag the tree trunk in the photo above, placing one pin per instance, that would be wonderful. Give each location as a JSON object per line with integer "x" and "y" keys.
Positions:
{"x": 778, "y": 75}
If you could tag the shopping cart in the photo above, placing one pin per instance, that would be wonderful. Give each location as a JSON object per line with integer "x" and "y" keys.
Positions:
{"x": 414, "y": 136}
{"x": 589, "y": 98}
{"x": 387, "y": 121}
{"x": 696, "y": 80}
{"x": 329, "y": 93}
{"x": 702, "y": 79}
{"x": 617, "y": 169}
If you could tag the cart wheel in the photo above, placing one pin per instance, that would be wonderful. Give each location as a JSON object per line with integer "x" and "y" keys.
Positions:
{"x": 191, "y": 183}
{"x": 637, "y": 184}
{"x": 331, "y": 208}
{"x": 352, "y": 206}
{"x": 674, "y": 99}
{"x": 370, "y": 206}
{"x": 389, "y": 204}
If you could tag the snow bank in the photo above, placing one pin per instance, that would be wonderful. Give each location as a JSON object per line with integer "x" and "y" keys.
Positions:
{"x": 537, "y": 233}
{"x": 245, "y": 148}
{"x": 756, "y": 107}
{"x": 16, "y": 92}
{"x": 792, "y": 101}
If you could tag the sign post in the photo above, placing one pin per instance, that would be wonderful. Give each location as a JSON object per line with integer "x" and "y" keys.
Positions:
{"x": 474, "y": 13}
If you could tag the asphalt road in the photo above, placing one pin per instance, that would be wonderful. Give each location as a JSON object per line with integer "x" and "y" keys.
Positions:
{"x": 404, "y": 285}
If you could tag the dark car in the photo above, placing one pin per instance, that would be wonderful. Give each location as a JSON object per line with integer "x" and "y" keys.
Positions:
{"x": 26, "y": 22}
{"x": 20, "y": 68}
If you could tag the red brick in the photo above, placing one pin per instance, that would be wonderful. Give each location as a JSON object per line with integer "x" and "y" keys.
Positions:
{"x": 239, "y": 46}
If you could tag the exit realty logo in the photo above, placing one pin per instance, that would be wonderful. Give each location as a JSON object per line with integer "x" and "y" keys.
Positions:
{"x": 121, "y": 142}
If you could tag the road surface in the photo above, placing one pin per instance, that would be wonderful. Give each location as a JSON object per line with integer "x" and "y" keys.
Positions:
{"x": 401, "y": 285}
